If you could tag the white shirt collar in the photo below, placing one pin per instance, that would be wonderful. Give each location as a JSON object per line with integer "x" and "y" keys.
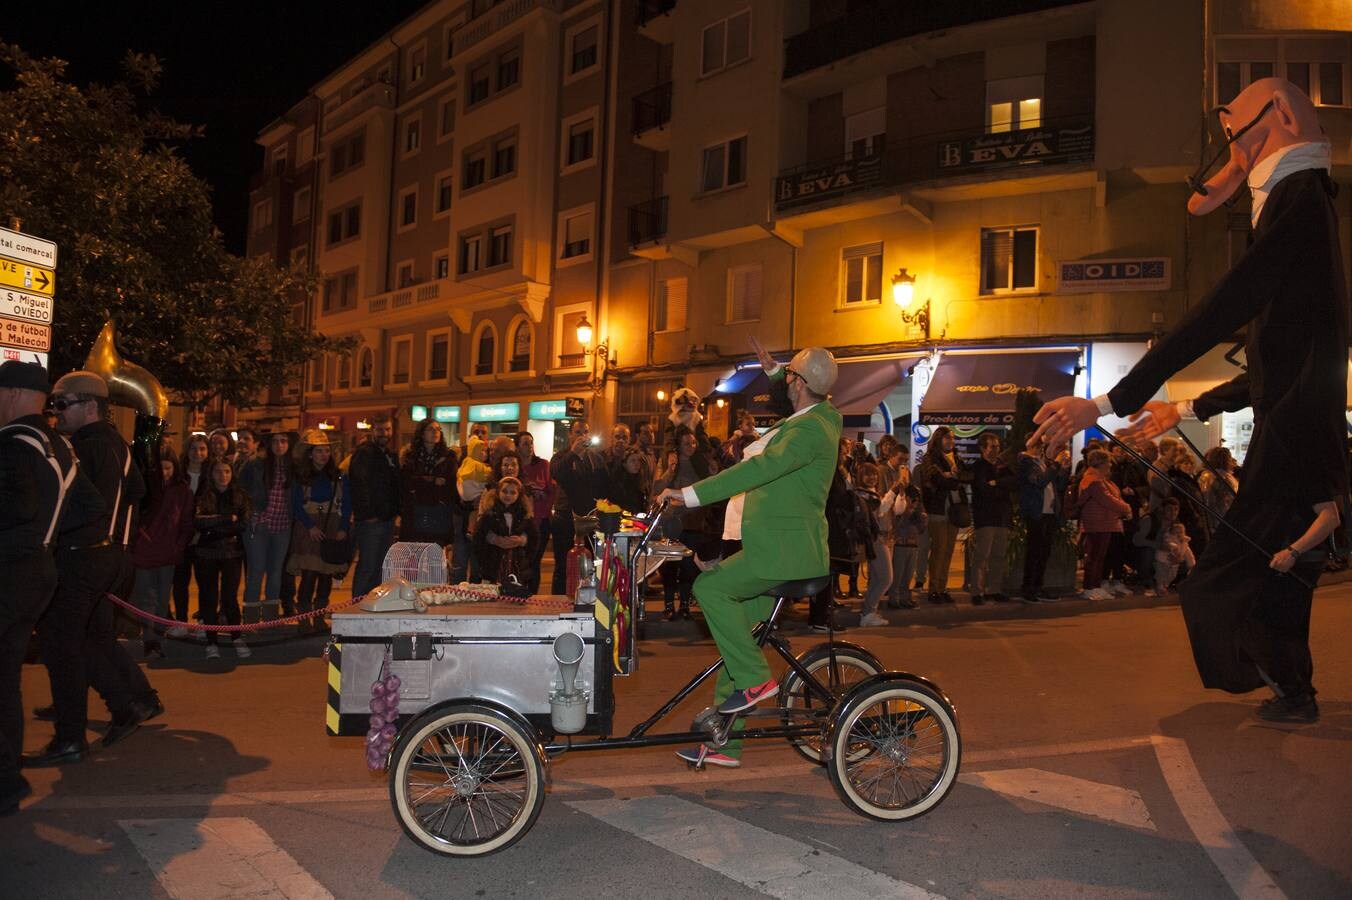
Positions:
{"x": 1290, "y": 159}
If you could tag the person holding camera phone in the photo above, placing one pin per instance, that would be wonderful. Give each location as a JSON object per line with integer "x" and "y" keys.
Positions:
{"x": 1043, "y": 474}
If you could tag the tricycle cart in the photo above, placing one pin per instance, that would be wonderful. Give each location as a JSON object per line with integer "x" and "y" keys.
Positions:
{"x": 489, "y": 693}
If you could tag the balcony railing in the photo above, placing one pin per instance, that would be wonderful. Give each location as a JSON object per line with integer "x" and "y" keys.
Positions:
{"x": 647, "y": 221}
{"x": 572, "y": 360}
{"x": 869, "y": 25}
{"x": 651, "y": 9}
{"x": 931, "y": 157}
{"x": 376, "y": 94}
{"x": 496, "y": 19}
{"x": 652, "y": 108}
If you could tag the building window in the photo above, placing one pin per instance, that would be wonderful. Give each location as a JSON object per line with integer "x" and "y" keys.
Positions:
{"x": 438, "y": 356}
{"x": 347, "y": 153}
{"x": 446, "y": 116}
{"x": 445, "y": 185}
{"x": 343, "y": 379}
{"x": 724, "y": 165}
{"x": 861, "y": 274}
{"x": 521, "y": 347}
{"x": 1008, "y": 259}
{"x": 580, "y": 146}
{"x": 500, "y": 246}
{"x": 569, "y": 348}
{"x": 575, "y": 234}
{"x": 340, "y": 292}
{"x": 504, "y": 157}
{"x": 478, "y": 84}
{"x": 408, "y": 208}
{"x": 412, "y": 136}
{"x": 279, "y": 154}
{"x": 726, "y": 42}
{"x": 305, "y": 147}
{"x": 316, "y": 379}
{"x": 471, "y": 253}
{"x": 672, "y": 296}
{"x": 476, "y": 168}
{"x": 262, "y": 215}
{"x": 417, "y": 64}
{"x": 509, "y": 69}
{"x": 485, "y": 348}
{"x": 401, "y": 360}
{"x": 744, "y": 293}
{"x": 300, "y": 205}
{"x": 582, "y": 55}
{"x": 300, "y": 257}
{"x": 406, "y": 274}
{"x": 865, "y": 133}
{"x": 442, "y": 265}
{"x": 344, "y": 224}
{"x": 366, "y": 369}
{"x": 1013, "y": 104}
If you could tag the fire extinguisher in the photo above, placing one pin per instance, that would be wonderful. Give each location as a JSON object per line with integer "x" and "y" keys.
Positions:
{"x": 576, "y": 554}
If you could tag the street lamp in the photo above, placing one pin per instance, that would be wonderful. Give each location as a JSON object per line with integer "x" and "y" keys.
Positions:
{"x": 903, "y": 293}
{"x": 601, "y": 358}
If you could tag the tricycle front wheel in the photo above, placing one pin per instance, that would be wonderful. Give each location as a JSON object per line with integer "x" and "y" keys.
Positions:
{"x": 467, "y": 781}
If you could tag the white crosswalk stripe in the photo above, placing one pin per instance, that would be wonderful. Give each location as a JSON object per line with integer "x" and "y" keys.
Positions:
{"x": 761, "y": 860}
{"x": 1078, "y": 795}
{"x": 218, "y": 858}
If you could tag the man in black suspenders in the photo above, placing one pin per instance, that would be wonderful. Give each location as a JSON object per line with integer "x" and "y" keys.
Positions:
{"x": 77, "y": 634}
{"x": 38, "y": 472}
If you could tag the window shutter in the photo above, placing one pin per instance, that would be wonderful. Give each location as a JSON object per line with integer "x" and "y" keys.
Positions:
{"x": 671, "y": 304}
{"x": 745, "y": 287}
{"x": 996, "y": 249}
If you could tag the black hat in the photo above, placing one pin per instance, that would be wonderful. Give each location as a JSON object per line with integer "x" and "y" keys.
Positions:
{"x": 26, "y": 376}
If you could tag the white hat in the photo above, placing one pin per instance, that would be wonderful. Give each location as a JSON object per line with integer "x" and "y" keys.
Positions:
{"x": 817, "y": 367}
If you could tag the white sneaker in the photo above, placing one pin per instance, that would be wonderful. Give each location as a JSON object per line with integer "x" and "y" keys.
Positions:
{"x": 873, "y": 620}
{"x": 241, "y": 648}
{"x": 1151, "y": 592}
{"x": 213, "y": 652}
{"x": 176, "y": 631}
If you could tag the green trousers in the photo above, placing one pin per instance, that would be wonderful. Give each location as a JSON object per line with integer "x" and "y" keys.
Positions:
{"x": 734, "y": 601}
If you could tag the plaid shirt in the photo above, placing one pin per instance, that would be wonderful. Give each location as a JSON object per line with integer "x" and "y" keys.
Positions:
{"x": 277, "y": 516}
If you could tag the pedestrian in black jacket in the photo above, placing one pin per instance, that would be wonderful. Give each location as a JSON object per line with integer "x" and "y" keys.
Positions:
{"x": 373, "y": 477}
{"x": 993, "y": 484}
{"x": 581, "y": 476}
{"x": 222, "y": 515}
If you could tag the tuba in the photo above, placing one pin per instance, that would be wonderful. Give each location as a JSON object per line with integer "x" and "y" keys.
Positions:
{"x": 131, "y": 385}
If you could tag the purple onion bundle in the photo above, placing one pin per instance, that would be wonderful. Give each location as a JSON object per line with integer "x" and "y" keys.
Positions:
{"x": 384, "y": 719}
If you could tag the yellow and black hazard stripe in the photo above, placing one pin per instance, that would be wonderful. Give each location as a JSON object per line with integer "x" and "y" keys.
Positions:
{"x": 333, "y": 719}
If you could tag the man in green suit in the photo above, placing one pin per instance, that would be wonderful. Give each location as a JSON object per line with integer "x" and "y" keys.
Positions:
{"x": 785, "y": 481}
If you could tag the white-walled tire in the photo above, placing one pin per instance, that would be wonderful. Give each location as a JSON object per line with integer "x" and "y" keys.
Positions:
{"x": 895, "y": 749}
{"x": 467, "y": 781}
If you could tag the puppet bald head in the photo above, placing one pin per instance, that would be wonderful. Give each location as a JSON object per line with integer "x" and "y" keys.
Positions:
{"x": 1268, "y": 115}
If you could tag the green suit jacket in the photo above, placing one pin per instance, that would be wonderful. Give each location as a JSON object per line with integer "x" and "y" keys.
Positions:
{"x": 784, "y": 518}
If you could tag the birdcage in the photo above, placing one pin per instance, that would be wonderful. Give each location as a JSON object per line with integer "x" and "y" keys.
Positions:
{"x": 422, "y": 565}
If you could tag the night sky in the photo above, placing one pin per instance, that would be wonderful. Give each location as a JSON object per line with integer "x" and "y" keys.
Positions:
{"x": 232, "y": 67}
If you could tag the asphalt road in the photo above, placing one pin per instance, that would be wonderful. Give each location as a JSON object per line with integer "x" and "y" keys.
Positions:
{"x": 1094, "y": 765}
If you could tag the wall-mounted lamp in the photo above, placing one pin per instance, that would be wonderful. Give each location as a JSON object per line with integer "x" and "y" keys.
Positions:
{"x": 601, "y": 359}
{"x": 720, "y": 402}
{"x": 903, "y": 294}
{"x": 661, "y": 396}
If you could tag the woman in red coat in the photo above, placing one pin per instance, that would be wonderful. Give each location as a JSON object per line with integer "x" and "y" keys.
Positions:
{"x": 1102, "y": 510}
{"x": 159, "y": 545}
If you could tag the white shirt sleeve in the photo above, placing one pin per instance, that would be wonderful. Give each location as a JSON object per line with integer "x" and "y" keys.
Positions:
{"x": 689, "y": 497}
{"x": 1105, "y": 406}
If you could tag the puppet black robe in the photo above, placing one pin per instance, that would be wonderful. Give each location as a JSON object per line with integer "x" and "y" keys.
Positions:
{"x": 1288, "y": 288}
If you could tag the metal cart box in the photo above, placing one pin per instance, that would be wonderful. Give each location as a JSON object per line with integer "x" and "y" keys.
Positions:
{"x": 499, "y": 652}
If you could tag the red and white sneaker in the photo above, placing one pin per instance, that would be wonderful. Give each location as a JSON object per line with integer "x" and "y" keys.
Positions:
{"x": 745, "y": 699}
{"x": 702, "y": 756}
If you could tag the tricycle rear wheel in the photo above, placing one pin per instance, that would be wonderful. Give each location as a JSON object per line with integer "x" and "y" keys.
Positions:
{"x": 797, "y": 702}
{"x": 467, "y": 780}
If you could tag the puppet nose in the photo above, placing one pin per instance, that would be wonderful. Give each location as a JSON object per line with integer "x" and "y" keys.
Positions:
{"x": 1220, "y": 187}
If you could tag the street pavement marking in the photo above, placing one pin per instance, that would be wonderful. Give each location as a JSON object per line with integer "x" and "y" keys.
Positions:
{"x": 42, "y": 799}
{"x": 1246, "y": 877}
{"x": 206, "y": 859}
{"x": 1089, "y": 798}
{"x": 761, "y": 860}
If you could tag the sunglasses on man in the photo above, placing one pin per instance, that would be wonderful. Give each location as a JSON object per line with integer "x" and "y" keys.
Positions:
{"x": 61, "y": 404}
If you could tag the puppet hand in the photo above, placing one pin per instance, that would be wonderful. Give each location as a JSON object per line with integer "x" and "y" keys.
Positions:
{"x": 1283, "y": 560}
{"x": 1060, "y": 419}
{"x": 1150, "y": 421}
{"x": 673, "y": 496}
{"x": 762, "y": 355}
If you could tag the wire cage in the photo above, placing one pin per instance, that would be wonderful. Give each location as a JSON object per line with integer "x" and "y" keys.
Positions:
{"x": 421, "y": 565}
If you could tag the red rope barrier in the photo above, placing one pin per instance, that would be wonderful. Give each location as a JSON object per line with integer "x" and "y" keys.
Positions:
{"x": 252, "y": 626}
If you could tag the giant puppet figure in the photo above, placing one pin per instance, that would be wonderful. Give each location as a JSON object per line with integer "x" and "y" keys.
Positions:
{"x": 1248, "y": 613}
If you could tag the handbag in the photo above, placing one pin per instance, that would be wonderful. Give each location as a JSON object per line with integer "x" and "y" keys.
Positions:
{"x": 960, "y": 512}
{"x": 433, "y": 519}
{"x": 332, "y": 551}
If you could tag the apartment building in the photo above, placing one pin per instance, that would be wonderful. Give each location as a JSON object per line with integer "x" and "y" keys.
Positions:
{"x": 958, "y": 200}
{"x": 456, "y": 219}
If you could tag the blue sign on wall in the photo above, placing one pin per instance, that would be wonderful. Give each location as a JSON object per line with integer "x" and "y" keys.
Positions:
{"x": 1094, "y": 275}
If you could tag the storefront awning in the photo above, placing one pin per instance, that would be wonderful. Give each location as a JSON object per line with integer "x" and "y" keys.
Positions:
{"x": 978, "y": 388}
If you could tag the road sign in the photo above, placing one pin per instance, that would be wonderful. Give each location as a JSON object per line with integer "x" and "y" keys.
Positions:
{"x": 25, "y": 335}
{"x": 18, "y": 305}
{"x": 27, "y": 277}
{"x": 20, "y": 355}
{"x": 27, "y": 249}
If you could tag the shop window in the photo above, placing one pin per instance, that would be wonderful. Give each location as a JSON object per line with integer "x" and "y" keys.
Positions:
{"x": 1008, "y": 259}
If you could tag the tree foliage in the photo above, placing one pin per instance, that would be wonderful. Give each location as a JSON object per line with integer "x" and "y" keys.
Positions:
{"x": 95, "y": 169}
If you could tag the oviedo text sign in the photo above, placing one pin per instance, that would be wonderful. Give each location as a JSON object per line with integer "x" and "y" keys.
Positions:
{"x": 18, "y": 305}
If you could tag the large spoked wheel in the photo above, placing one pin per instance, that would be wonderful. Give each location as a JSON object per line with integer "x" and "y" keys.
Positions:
{"x": 895, "y": 749}
{"x": 467, "y": 781}
{"x": 799, "y": 705}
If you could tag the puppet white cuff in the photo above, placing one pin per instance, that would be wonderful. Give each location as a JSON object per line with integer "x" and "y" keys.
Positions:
{"x": 689, "y": 497}
{"x": 1105, "y": 406}
{"x": 1185, "y": 409}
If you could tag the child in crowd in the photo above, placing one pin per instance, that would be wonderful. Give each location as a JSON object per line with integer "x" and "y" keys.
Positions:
{"x": 471, "y": 480}
{"x": 505, "y": 539}
{"x": 1173, "y": 557}
{"x": 222, "y": 513}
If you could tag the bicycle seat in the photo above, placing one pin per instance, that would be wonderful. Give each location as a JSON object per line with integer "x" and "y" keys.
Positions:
{"x": 802, "y": 587}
